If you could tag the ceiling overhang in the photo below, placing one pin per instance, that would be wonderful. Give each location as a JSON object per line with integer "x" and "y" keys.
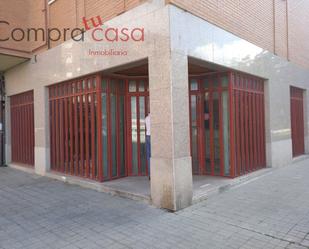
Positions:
{"x": 9, "y": 59}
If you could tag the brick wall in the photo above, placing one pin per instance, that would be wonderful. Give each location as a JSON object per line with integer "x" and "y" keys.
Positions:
{"x": 37, "y": 19}
{"x": 298, "y": 18}
{"x": 280, "y": 26}
{"x": 13, "y": 11}
{"x": 281, "y": 37}
{"x": 60, "y": 14}
{"x": 69, "y": 13}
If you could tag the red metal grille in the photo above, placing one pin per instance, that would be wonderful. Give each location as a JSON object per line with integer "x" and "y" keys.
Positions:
{"x": 74, "y": 107}
{"x": 207, "y": 96}
{"x": 297, "y": 121}
{"x": 91, "y": 127}
{"x": 22, "y": 128}
{"x": 227, "y": 124}
{"x": 113, "y": 128}
{"x": 249, "y": 123}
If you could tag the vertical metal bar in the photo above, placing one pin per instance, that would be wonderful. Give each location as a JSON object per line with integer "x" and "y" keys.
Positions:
{"x": 221, "y": 125}
{"x": 246, "y": 126}
{"x": 263, "y": 126}
{"x": 117, "y": 93}
{"x": 262, "y": 129}
{"x": 66, "y": 125}
{"x": 53, "y": 102}
{"x": 57, "y": 131}
{"x": 76, "y": 131}
{"x": 232, "y": 123}
{"x": 211, "y": 118}
{"x": 99, "y": 126}
{"x": 71, "y": 112}
{"x": 250, "y": 124}
{"x": 138, "y": 129}
{"x": 201, "y": 127}
{"x": 242, "y": 129}
{"x": 21, "y": 134}
{"x": 86, "y": 117}
{"x": 254, "y": 125}
{"x": 81, "y": 129}
{"x": 51, "y": 128}
{"x": 109, "y": 133}
{"x": 93, "y": 149}
{"x": 28, "y": 140}
{"x": 146, "y": 113}
{"x": 26, "y": 127}
{"x": 61, "y": 143}
{"x": 237, "y": 125}
{"x": 129, "y": 125}
{"x": 32, "y": 127}
{"x": 127, "y": 133}
{"x": 190, "y": 118}
{"x": 259, "y": 128}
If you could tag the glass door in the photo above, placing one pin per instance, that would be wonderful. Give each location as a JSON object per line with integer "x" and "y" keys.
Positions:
{"x": 209, "y": 119}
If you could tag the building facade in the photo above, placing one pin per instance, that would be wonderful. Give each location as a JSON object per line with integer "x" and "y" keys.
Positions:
{"x": 226, "y": 83}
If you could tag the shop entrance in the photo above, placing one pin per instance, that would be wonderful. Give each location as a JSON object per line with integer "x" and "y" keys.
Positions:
{"x": 209, "y": 110}
{"x": 124, "y": 108}
{"x": 97, "y": 127}
{"x": 137, "y": 109}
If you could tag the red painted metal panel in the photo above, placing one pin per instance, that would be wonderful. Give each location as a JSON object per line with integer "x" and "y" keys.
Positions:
{"x": 69, "y": 126}
{"x": 231, "y": 124}
{"x": 71, "y": 133}
{"x": 86, "y": 119}
{"x": 81, "y": 127}
{"x": 61, "y": 135}
{"x": 93, "y": 136}
{"x": 22, "y": 128}
{"x": 76, "y": 126}
{"x": 237, "y": 124}
{"x": 246, "y": 124}
{"x": 297, "y": 121}
{"x": 66, "y": 125}
{"x": 76, "y": 134}
{"x": 98, "y": 94}
{"x": 221, "y": 124}
{"x": 201, "y": 149}
{"x": 211, "y": 129}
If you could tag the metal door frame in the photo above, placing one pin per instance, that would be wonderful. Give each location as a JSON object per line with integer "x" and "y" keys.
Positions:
{"x": 297, "y": 121}
{"x": 136, "y": 94}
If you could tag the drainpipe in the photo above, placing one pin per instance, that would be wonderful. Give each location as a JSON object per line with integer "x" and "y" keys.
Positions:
{"x": 2, "y": 120}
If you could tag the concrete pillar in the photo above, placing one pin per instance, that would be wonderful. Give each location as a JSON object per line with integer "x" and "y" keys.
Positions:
{"x": 8, "y": 147}
{"x": 41, "y": 127}
{"x": 171, "y": 170}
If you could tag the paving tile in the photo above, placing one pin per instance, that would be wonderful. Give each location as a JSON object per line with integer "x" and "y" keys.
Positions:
{"x": 271, "y": 212}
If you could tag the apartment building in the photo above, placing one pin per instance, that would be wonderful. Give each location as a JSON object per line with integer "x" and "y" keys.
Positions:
{"x": 226, "y": 83}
